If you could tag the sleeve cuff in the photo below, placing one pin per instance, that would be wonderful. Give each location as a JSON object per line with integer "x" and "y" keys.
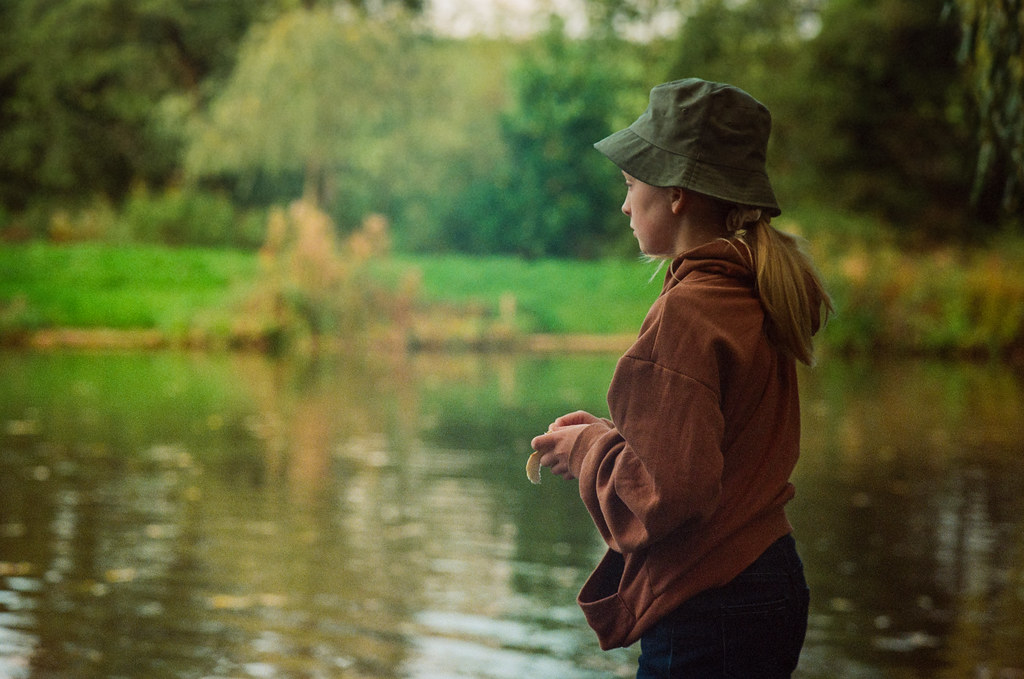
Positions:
{"x": 584, "y": 444}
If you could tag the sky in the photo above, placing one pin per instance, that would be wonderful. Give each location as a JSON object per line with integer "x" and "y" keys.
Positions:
{"x": 461, "y": 18}
{"x": 518, "y": 18}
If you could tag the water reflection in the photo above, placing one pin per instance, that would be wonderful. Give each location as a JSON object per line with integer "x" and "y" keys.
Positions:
{"x": 168, "y": 515}
{"x": 911, "y": 512}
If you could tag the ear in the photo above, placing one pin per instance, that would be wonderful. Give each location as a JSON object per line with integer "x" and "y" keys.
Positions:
{"x": 678, "y": 197}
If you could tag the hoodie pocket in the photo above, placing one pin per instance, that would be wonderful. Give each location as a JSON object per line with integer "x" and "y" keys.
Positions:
{"x": 605, "y": 610}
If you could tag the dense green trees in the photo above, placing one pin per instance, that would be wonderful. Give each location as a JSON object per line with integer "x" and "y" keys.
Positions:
{"x": 908, "y": 109}
{"x": 867, "y": 100}
{"x": 83, "y": 83}
{"x": 886, "y": 100}
{"x": 553, "y": 197}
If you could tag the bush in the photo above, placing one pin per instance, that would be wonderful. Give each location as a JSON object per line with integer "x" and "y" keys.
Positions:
{"x": 936, "y": 303}
{"x": 187, "y": 217}
{"x": 313, "y": 286}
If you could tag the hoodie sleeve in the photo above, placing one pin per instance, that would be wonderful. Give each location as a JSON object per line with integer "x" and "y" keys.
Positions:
{"x": 661, "y": 467}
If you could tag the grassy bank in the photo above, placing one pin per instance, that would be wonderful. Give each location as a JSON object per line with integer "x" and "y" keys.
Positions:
{"x": 91, "y": 285}
{"x": 543, "y": 296}
{"x": 942, "y": 303}
{"x": 177, "y": 292}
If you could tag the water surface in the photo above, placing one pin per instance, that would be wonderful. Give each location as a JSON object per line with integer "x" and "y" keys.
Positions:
{"x": 176, "y": 515}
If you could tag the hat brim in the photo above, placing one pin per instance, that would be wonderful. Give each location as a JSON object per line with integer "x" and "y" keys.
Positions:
{"x": 653, "y": 165}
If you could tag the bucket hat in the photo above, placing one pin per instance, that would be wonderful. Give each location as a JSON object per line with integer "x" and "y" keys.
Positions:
{"x": 704, "y": 136}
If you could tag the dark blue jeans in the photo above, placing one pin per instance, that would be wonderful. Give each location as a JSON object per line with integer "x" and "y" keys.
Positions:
{"x": 751, "y": 628}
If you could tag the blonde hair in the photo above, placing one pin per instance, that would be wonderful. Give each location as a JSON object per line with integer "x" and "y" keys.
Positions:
{"x": 791, "y": 291}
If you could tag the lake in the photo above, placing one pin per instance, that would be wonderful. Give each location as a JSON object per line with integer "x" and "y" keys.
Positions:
{"x": 231, "y": 516}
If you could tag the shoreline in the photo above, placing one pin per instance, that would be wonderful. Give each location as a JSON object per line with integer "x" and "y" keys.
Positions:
{"x": 398, "y": 341}
{"x": 145, "y": 339}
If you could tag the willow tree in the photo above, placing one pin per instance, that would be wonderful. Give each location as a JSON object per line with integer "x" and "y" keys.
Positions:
{"x": 992, "y": 52}
{"x": 313, "y": 93}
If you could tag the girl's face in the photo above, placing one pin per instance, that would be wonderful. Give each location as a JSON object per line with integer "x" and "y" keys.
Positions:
{"x": 651, "y": 217}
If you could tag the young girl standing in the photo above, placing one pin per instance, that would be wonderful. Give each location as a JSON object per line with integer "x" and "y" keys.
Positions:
{"x": 688, "y": 480}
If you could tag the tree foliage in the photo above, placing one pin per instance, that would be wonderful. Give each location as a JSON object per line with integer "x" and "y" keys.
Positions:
{"x": 885, "y": 106}
{"x": 865, "y": 94}
{"x": 81, "y": 83}
{"x": 301, "y": 95}
{"x": 552, "y": 195}
{"x": 339, "y": 99}
{"x": 560, "y": 185}
{"x": 992, "y": 51}
{"x": 886, "y": 98}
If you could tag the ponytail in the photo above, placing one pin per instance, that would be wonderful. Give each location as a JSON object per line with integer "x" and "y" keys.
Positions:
{"x": 791, "y": 291}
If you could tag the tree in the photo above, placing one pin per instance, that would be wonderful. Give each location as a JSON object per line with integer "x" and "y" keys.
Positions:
{"x": 558, "y": 193}
{"x": 81, "y": 83}
{"x": 992, "y": 52}
{"x": 865, "y": 96}
{"x": 883, "y": 102}
{"x": 313, "y": 93}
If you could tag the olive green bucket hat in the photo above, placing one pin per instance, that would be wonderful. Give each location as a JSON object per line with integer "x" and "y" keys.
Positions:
{"x": 708, "y": 137}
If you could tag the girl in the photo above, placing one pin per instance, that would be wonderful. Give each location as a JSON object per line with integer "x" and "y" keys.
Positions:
{"x": 688, "y": 480}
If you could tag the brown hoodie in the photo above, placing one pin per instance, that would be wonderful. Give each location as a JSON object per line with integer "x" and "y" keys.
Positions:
{"x": 688, "y": 480}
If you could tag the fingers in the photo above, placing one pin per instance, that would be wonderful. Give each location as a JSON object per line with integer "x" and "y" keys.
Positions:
{"x": 557, "y": 465}
{"x": 542, "y": 442}
{"x": 574, "y": 418}
{"x": 545, "y": 455}
{"x": 553, "y": 447}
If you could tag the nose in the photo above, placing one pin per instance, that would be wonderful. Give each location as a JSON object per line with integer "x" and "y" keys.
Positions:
{"x": 626, "y": 210}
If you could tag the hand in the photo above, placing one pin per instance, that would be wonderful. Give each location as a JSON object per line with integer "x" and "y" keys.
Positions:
{"x": 554, "y": 446}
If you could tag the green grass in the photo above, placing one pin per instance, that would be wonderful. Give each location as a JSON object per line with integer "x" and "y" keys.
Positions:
{"x": 92, "y": 285}
{"x": 101, "y": 286}
{"x": 945, "y": 302}
{"x": 551, "y": 296}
